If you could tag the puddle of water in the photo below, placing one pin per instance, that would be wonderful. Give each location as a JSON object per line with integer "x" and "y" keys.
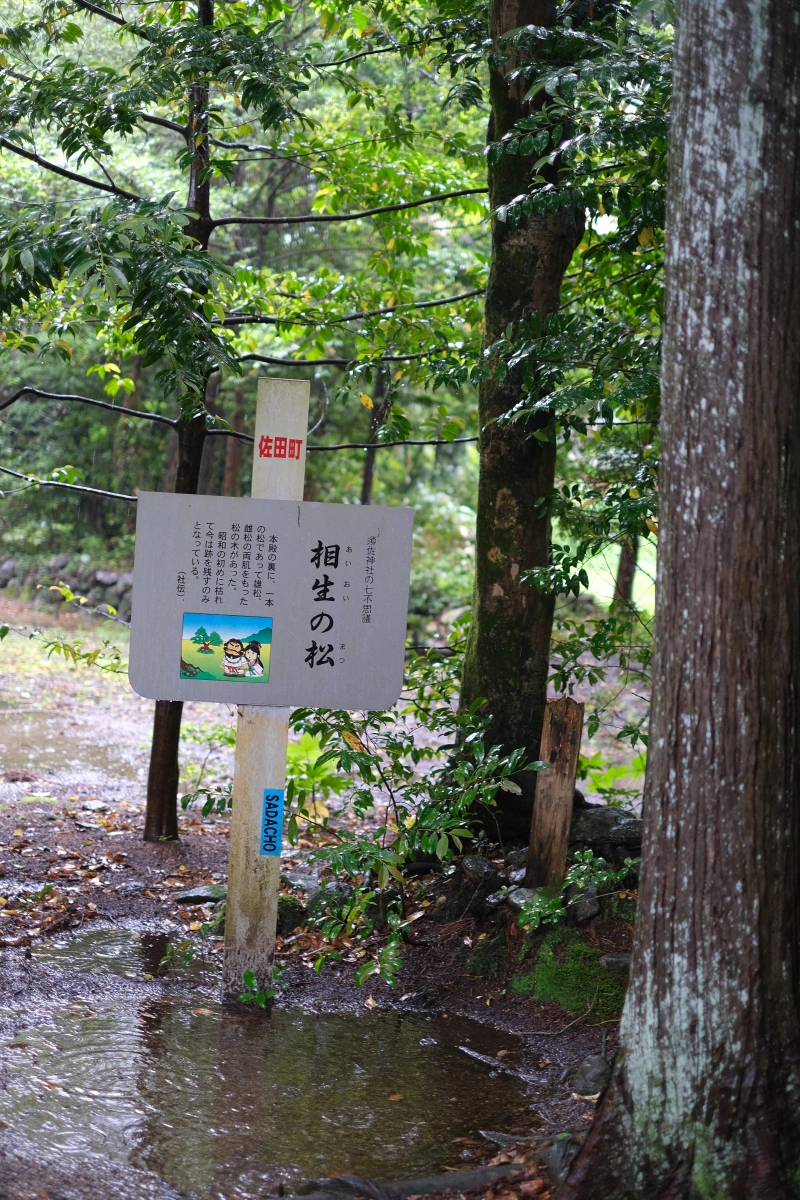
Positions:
{"x": 109, "y": 952}
{"x": 229, "y": 1104}
{"x": 45, "y": 743}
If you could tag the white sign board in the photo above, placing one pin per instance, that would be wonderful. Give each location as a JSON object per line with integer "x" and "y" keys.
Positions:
{"x": 274, "y": 602}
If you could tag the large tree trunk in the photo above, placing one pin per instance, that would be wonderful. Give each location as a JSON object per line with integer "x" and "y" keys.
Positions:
{"x": 508, "y": 647}
{"x": 705, "y": 1097}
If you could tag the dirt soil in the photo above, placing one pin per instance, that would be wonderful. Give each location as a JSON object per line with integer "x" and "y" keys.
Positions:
{"x": 73, "y": 757}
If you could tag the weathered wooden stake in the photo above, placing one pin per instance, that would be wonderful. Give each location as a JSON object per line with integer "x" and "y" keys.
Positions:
{"x": 262, "y": 733}
{"x": 552, "y": 805}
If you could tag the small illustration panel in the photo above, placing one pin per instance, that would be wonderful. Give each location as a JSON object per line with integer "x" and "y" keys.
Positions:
{"x": 226, "y": 648}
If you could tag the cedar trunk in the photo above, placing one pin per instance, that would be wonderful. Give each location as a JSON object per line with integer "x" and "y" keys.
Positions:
{"x": 507, "y": 654}
{"x": 705, "y": 1097}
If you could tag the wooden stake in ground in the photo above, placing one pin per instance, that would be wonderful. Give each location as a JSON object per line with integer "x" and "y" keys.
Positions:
{"x": 552, "y": 806}
{"x": 262, "y": 733}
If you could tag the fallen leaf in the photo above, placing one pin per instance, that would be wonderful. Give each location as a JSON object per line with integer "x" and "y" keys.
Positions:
{"x": 532, "y": 1187}
{"x": 396, "y": 1096}
{"x": 204, "y": 1012}
{"x": 370, "y": 1003}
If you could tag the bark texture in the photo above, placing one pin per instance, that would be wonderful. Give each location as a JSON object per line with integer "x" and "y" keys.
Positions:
{"x": 623, "y": 588}
{"x": 508, "y": 648}
{"x": 704, "y": 1101}
{"x": 161, "y": 813}
{"x": 379, "y": 407}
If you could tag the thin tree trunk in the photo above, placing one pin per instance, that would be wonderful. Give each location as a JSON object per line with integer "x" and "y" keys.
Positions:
{"x": 705, "y": 1097}
{"x": 623, "y": 589}
{"x": 161, "y": 816}
{"x": 379, "y": 404}
{"x": 232, "y": 479}
{"x": 507, "y": 654}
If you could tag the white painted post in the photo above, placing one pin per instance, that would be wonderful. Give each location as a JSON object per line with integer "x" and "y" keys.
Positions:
{"x": 262, "y": 733}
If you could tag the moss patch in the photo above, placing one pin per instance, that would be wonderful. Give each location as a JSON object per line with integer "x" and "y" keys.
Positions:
{"x": 570, "y": 974}
{"x": 291, "y": 913}
{"x": 487, "y": 958}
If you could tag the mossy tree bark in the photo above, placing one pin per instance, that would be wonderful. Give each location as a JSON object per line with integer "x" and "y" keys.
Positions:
{"x": 705, "y": 1097}
{"x": 508, "y": 647}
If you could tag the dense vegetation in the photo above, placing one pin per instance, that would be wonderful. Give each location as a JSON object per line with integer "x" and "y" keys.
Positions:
{"x": 302, "y": 114}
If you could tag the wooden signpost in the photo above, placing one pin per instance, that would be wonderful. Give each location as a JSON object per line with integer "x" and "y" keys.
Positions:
{"x": 262, "y": 734}
{"x": 552, "y": 805}
{"x": 268, "y": 602}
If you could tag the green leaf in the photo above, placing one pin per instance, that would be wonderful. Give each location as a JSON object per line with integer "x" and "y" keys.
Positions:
{"x": 28, "y": 265}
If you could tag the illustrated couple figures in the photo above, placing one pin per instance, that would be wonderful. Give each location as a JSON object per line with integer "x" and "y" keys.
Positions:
{"x": 240, "y": 661}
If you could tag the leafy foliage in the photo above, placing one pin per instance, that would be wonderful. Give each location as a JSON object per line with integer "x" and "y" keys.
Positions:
{"x": 584, "y": 871}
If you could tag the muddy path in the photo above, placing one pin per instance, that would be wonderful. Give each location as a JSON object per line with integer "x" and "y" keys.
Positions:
{"x": 121, "y": 1074}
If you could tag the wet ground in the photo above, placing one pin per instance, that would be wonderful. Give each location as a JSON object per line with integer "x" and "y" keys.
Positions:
{"x": 213, "y": 1101}
{"x": 119, "y": 1076}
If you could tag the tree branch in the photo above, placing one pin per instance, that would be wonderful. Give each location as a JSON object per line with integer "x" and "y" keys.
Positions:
{"x": 72, "y": 487}
{"x": 173, "y": 125}
{"x": 247, "y": 319}
{"x": 109, "y": 16}
{"x": 84, "y": 179}
{"x": 248, "y": 437}
{"x": 340, "y": 62}
{"x": 38, "y": 394}
{"x": 328, "y": 362}
{"x": 321, "y": 218}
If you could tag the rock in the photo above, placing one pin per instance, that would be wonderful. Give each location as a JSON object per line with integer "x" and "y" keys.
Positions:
{"x": 599, "y": 826}
{"x": 474, "y": 880}
{"x": 204, "y": 893}
{"x": 582, "y": 904}
{"x": 9, "y": 566}
{"x": 94, "y": 806}
{"x": 517, "y": 876}
{"x": 331, "y": 895}
{"x": 520, "y": 896}
{"x": 291, "y": 913}
{"x": 306, "y": 879}
{"x": 617, "y": 964}
{"x": 125, "y": 582}
{"x": 134, "y": 888}
{"x": 477, "y": 869}
{"x": 19, "y": 776}
{"x": 592, "y": 1076}
{"x": 559, "y": 1157}
{"x": 517, "y": 858}
{"x": 106, "y": 578}
{"x": 58, "y": 562}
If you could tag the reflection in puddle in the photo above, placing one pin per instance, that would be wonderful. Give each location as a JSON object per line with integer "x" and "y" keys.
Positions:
{"x": 220, "y": 1102}
{"x": 110, "y": 952}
